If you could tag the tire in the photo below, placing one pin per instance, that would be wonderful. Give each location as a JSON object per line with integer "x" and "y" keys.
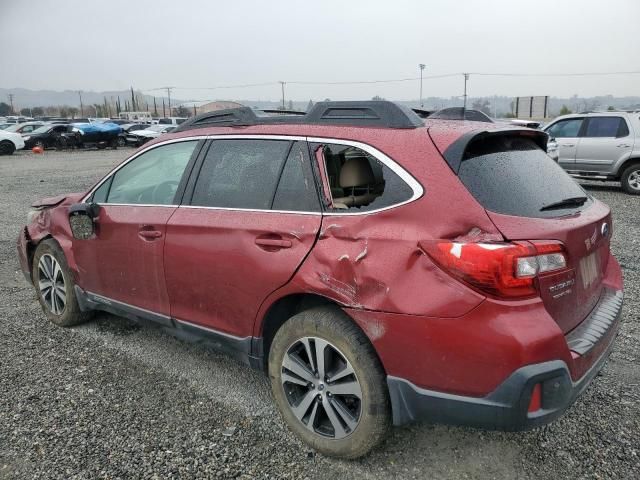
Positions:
{"x": 7, "y": 147}
{"x": 346, "y": 349}
{"x": 40, "y": 143}
{"x": 122, "y": 142}
{"x": 630, "y": 179}
{"x": 66, "y": 313}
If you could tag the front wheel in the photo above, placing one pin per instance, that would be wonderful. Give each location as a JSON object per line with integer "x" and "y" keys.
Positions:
{"x": 630, "y": 179}
{"x": 328, "y": 383}
{"x": 7, "y": 147}
{"x": 55, "y": 286}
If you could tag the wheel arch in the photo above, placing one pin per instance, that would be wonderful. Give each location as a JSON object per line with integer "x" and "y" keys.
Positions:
{"x": 626, "y": 164}
{"x": 286, "y": 307}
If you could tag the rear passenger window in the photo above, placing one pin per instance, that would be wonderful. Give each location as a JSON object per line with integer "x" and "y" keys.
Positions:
{"x": 297, "y": 189}
{"x": 606, "y": 127}
{"x": 240, "y": 174}
{"x": 358, "y": 181}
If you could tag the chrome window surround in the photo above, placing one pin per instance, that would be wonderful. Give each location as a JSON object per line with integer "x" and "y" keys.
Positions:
{"x": 415, "y": 186}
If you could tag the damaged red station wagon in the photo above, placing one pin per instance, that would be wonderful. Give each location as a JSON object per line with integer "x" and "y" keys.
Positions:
{"x": 380, "y": 267}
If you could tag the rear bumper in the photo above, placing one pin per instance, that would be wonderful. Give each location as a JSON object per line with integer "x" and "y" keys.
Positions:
{"x": 506, "y": 408}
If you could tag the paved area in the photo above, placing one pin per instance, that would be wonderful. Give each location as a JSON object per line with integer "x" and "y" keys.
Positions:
{"x": 112, "y": 399}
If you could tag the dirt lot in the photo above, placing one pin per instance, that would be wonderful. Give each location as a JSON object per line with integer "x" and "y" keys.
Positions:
{"x": 112, "y": 399}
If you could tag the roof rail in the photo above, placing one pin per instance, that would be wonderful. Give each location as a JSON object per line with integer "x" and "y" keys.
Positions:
{"x": 374, "y": 113}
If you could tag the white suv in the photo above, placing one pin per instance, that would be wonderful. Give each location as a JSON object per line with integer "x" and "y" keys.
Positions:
{"x": 599, "y": 146}
{"x": 10, "y": 142}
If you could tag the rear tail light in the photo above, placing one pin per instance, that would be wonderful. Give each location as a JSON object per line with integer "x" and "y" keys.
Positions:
{"x": 506, "y": 270}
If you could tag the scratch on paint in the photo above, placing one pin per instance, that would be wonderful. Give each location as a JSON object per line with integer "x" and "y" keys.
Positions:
{"x": 363, "y": 253}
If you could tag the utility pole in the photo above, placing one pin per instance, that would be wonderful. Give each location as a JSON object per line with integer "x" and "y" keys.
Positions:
{"x": 81, "y": 106}
{"x": 11, "y": 102}
{"x": 421, "y": 65}
{"x": 169, "y": 97}
{"x": 282, "y": 85}
{"x": 466, "y": 77}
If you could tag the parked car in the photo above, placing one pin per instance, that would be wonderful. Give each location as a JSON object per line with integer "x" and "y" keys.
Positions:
{"x": 24, "y": 128}
{"x": 46, "y": 136}
{"x": 600, "y": 146}
{"x": 130, "y": 128}
{"x": 5, "y": 125}
{"x": 10, "y": 142}
{"x": 460, "y": 113}
{"x": 140, "y": 137}
{"x": 172, "y": 120}
{"x": 379, "y": 273}
{"x": 96, "y": 134}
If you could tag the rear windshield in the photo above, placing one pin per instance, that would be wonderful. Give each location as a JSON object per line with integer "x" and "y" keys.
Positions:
{"x": 513, "y": 176}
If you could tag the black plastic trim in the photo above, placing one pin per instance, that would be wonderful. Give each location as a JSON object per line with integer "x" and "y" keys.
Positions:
{"x": 596, "y": 326}
{"x": 503, "y": 409}
{"x": 357, "y": 113}
{"x": 248, "y": 350}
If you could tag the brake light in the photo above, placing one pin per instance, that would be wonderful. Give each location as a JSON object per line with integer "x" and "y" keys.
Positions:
{"x": 506, "y": 270}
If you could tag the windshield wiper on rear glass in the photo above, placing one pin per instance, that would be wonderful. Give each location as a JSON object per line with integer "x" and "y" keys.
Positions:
{"x": 566, "y": 203}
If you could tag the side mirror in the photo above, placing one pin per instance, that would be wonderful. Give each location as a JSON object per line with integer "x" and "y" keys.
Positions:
{"x": 81, "y": 219}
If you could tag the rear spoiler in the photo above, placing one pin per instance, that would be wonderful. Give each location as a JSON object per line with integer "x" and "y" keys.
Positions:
{"x": 455, "y": 152}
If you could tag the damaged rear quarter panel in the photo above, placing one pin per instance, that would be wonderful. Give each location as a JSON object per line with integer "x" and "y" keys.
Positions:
{"x": 373, "y": 262}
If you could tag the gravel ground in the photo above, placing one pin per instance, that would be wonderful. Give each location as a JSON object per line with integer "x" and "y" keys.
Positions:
{"x": 112, "y": 399}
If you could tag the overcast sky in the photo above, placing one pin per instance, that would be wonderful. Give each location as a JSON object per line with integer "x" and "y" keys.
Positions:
{"x": 113, "y": 44}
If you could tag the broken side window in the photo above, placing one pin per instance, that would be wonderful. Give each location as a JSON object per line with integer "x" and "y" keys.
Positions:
{"x": 358, "y": 181}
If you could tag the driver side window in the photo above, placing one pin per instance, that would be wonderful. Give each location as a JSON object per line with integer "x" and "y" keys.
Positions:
{"x": 151, "y": 178}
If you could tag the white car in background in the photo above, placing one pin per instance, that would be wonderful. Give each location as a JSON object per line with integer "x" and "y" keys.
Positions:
{"x": 10, "y": 142}
{"x": 140, "y": 137}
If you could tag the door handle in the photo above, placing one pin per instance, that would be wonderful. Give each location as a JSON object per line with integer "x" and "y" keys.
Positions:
{"x": 273, "y": 243}
{"x": 149, "y": 234}
{"x": 623, "y": 145}
{"x": 567, "y": 144}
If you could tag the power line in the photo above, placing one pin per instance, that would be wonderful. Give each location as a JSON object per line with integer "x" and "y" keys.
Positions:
{"x": 398, "y": 80}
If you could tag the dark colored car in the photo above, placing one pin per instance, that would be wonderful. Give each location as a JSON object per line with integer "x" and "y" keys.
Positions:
{"x": 46, "y": 136}
{"x": 129, "y": 128}
{"x": 382, "y": 269}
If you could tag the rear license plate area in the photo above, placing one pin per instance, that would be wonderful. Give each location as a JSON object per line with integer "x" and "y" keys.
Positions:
{"x": 589, "y": 270}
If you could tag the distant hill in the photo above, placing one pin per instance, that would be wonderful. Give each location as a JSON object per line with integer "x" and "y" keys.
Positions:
{"x": 498, "y": 105}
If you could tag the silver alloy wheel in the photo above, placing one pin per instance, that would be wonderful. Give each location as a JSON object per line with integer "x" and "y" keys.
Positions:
{"x": 51, "y": 284}
{"x": 321, "y": 387}
{"x": 634, "y": 179}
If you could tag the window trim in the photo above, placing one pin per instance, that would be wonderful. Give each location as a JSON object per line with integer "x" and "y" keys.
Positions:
{"x": 416, "y": 187}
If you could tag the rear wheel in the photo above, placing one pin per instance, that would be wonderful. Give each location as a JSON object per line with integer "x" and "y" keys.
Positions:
{"x": 328, "y": 383}
{"x": 630, "y": 179}
{"x": 55, "y": 286}
{"x": 7, "y": 147}
{"x": 121, "y": 142}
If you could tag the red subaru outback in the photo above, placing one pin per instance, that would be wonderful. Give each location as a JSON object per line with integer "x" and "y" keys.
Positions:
{"x": 381, "y": 268}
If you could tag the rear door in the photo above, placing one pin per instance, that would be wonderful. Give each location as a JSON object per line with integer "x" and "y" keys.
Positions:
{"x": 252, "y": 217}
{"x": 521, "y": 188}
{"x": 604, "y": 141}
{"x": 567, "y": 134}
